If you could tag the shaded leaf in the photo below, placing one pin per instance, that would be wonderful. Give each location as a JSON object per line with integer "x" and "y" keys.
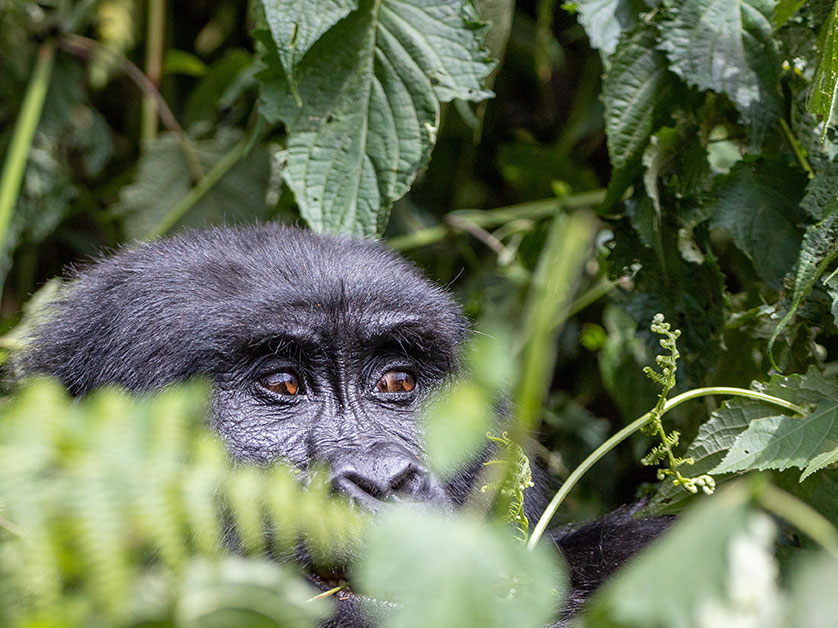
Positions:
{"x": 757, "y": 202}
{"x": 636, "y": 86}
{"x": 163, "y": 179}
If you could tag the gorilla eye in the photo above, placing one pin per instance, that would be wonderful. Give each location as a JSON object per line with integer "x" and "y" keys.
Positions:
{"x": 281, "y": 383}
{"x": 396, "y": 382}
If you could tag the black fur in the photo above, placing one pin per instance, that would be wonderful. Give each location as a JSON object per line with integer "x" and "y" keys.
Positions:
{"x": 239, "y": 304}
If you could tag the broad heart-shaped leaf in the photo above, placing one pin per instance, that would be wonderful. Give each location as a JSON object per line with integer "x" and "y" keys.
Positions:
{"x": 296, "y": 25}
{"x": 758, "y": 203}
{"x": 637, "y": 83}
{"x": 371, "y": 89}
{"x": 781, "y": 442}
{"x": 726, "y": 46}
{"x": 824, "y": 89}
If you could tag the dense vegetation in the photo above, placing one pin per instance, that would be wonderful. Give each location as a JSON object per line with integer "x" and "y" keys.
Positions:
{"x": 619, "y": 160}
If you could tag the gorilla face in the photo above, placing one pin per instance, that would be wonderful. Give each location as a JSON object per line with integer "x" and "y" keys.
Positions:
{"x": 320, "y": 349}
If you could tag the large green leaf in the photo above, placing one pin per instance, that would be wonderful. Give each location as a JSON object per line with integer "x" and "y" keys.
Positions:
{"x": 636, "y": 85}
{"x": 714, "y": 568}
{"x": 462, "y": 573}
{"x": 725, "y": 46}
{"x": 371, "y": 89}
{"x": 758, "y": 203}
{"x": 780, "y": 442}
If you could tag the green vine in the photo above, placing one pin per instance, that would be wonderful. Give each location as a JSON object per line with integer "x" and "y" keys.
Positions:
{"x": 662, "y": 453}
{"x": 513, "y": 483}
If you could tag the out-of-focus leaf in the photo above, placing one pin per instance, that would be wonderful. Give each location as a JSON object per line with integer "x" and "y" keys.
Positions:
{"x": 371, "y": 89}
{"x": 780, "y": 442}
{"x": 824, "y": 88}
{"x": 813, "y": 602}
{"x": 163, "y": 178}
{"x": 726, "y": 47}
{"x": 605, "y": 20}
{"x": 784, "y": 11}
{"x": 463, "y": 573}
{"x": 205, "y": 99}
{"x": 758, "y": 202}
{"x": 247, "y": 594}
{"x": 714, "y": 568}
{"x": 636, "y": 86}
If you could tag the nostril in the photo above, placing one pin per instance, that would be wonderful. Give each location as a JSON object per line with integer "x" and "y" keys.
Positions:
{"x": 409, "y": 480}
{"x": 368, "y": 485}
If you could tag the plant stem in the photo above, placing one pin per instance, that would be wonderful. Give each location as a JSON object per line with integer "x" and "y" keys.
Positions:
{"x": 630, "y": 429}
{"x": 488, "y": 218}
{"x": 155, "y": 25}
{"x": 801, "y": 515}
{"x": 202, "y": 187}
{"x": 24, "y": 133}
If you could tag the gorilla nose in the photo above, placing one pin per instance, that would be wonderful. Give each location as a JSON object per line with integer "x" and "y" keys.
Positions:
{"x": 385, "y": 473}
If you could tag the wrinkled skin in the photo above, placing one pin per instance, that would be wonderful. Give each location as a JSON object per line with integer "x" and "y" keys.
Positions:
{"x": 325, "y": 317}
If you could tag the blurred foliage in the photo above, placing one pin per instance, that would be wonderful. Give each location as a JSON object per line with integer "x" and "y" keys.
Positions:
{"x": 701, "y": 132}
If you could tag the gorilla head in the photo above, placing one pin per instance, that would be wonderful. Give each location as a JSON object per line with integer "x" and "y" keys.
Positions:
{"x": 319, "y": 348}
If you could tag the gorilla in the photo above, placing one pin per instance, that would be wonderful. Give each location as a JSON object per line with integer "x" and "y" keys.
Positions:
{"x": 320, "y": 349}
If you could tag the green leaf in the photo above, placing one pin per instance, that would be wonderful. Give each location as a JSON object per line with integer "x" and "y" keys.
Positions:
{"x": 727, "y": 47}
{"x": 462, "y": 573}
{"x": 371, "y": 89}
{"x": 819, "y": 250}
{"x": 658, "y": 157}
{"x": 757, "y": 202}
{"x": 163, "y": 178}
{"x": 821, "y": 198}
{"x": 636, "y": 86}
{"x": 715, "y": 437}
{"x": 296, "y": 26}
{"x": 605, "y": 21}
{"x": 784, "y": 11}
{"x": 780, "y": 442}
{"x": 698, "y": 572}
{"x": 824, "y": 88}
{"x": 813, "y": 602}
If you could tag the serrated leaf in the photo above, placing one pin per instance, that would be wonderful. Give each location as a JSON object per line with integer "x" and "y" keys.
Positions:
{"x": 821, "y": 198}
{"x": 781, "y": 442}
{"x": 818, "y": 251}
{"x": 605, "y": 21}
{"x": 636, "y": 85}
{"x": 757, "y": 202}
{"x": 657, "y": 158}
{"x": 823, "y": 90}
{"x": 726, "y": 47}
{"x": 371, "y": 89}
{"x": 715, "y": 437}
{"x": 296, "y": 26}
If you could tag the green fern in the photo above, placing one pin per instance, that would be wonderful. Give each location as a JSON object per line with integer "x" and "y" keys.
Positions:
{"x": 662, "y": 453}
{"x": 514, "y": 481}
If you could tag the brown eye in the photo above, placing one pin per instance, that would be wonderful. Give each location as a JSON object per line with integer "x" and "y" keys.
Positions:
{"x": 281, "y": 383}
{"x": 395, "y": 382}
